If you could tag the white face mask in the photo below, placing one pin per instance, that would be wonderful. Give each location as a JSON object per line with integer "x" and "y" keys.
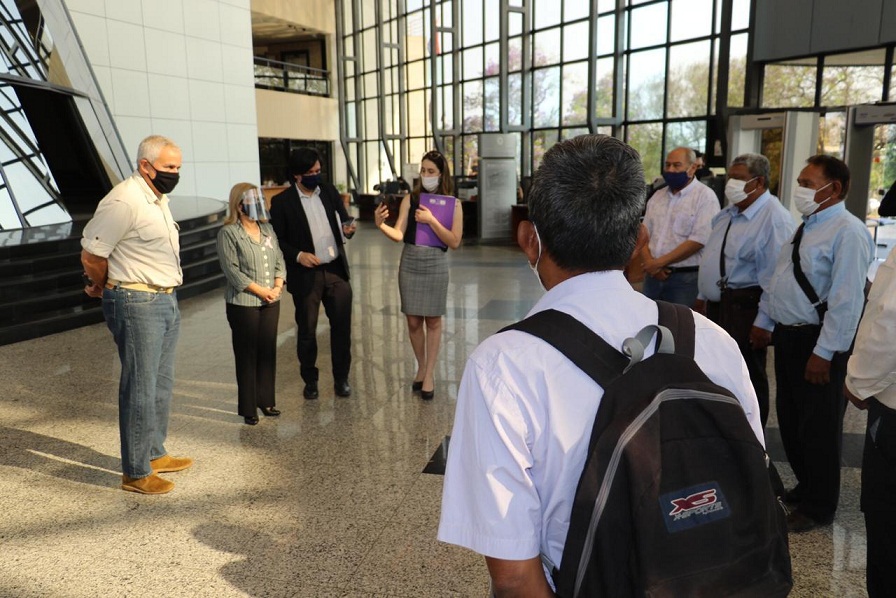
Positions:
{"x": 804, "y": 200}
{"x": 534, "y": 267}
{"x": 734, "y": 190}
{"x": 430, "y": 183}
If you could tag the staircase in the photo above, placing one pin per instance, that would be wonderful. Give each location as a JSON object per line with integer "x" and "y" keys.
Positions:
{"x": 42, "y": 292}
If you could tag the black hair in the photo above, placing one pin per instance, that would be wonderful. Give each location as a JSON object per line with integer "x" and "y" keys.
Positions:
{"x": 834, "y": 169}
{"x": 301, "y": 160}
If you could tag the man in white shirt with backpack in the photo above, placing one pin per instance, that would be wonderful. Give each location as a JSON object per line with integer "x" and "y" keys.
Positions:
{"x": 525, "y": 412}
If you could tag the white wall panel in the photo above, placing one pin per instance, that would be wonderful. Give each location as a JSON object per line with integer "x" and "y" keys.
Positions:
{"x": 242, "y": 143}
{"x": 169, "y": 97}
{"x": 185, "y": 72}
{"x": 202, "y": 19}
{"x": 129, "y": 11}
{"x": 239, "y": 104}
{"x": 130, "y": 93}
{"x": 207, "y": 101}
{"x": 166, "y": 53}
{"x": 166, "y": 15}
{"x": 210, "y": 141}
{"x": 92, "y": 7}
{"x": 126, "y": 46}
{"x": 204, "y": 60}
{"x": 237, "y": 66}
{"x": 216, "y": 177}
{"x": 236, "y": 30}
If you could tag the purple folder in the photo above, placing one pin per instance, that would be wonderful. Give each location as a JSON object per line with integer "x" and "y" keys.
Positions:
{"x": 442, "y": 207}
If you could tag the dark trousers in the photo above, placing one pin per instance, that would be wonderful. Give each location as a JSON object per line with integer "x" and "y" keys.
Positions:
{"x": 254, "y": 335}
{"x": 811, "y": 420}
{"x": 736, "y": 315}
{"x": 335, "y": 293}
{"x": 879, "y": 499}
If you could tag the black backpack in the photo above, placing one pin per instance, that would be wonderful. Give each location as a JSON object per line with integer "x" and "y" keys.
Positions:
{"x": 675, "y": 498}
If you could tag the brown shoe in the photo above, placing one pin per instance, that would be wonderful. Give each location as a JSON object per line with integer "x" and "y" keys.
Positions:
{"x": 168, "y": 463}
{"x": 151, "y": 484}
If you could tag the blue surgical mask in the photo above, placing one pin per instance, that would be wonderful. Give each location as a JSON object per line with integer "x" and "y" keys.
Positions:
{"x": 676, "y": 180}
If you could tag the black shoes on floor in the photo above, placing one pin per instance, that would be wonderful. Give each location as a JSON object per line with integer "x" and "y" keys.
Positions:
{"x": 426, "y": 395}
{"x": 251, "y": 420}
{"x": 270, "y": 411}
{"x": 342, "y": 388}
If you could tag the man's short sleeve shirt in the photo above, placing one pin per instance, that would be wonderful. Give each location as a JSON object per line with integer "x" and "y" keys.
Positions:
{"x": 673, "y": 218}
{"x": 135, "y": 231}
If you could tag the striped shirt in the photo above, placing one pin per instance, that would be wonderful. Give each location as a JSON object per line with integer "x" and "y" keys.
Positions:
{"x": 245, "y": 261}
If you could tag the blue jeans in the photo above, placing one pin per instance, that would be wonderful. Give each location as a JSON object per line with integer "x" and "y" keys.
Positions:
{"x": 145, "y": 327}
{"x": 680, "y": 287}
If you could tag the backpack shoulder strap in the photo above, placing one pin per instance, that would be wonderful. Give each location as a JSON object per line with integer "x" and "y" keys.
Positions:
{"x": 592, "y": 354}
{"x": 679, "y": 319}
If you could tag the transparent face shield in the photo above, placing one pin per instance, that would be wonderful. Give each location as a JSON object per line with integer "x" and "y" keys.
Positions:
{"x": 252, "y": 204}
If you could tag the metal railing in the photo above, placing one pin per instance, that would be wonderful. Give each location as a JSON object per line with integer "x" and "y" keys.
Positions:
{"x": 293, "y": 78}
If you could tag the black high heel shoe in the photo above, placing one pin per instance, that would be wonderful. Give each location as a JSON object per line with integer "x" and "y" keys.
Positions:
{"x": 427, "y": 395}
{"x": 251, "y": 420}
{"x": 270, "y": 411}
{"x": 417, "y": 386}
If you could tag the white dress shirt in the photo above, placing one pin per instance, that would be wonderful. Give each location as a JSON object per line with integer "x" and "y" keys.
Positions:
{"x": 673, "y": 218}
{"x": 872, "y": 368}
{"x": 324, "y": 242}
{"x": 524, "y": 417}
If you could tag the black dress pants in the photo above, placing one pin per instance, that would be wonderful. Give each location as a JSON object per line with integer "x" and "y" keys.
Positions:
{"x": 331, "y": 289}
{"x": 254, "y": 334}
{"x": 811, "y": 420}
{"x": 879, "y": 499}
{"x": 738, "y": 322}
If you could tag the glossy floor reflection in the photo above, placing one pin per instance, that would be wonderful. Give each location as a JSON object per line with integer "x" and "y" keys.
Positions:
{"x": 329, "y": 499}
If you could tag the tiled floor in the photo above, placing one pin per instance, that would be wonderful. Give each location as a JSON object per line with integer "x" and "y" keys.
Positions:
{"x": 330, "y": 499}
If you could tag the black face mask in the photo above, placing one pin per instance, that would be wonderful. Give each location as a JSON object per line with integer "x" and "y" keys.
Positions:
{"x": 165, "y": 182}
{"x": 310, "y": 181}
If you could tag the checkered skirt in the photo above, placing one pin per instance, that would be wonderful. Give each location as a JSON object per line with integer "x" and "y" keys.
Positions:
{"x": 423, "y": 280}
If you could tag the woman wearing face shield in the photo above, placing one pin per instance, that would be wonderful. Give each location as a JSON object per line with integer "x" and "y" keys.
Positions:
{"x": 423, "y": 270}
{"x": 253, "y": 265}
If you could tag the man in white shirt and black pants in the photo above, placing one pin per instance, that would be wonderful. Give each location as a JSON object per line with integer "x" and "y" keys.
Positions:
{"x": 871, "y": 385}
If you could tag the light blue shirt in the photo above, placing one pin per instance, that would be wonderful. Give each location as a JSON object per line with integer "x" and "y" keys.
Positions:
{"x": 752, "y": 248}
{"x": 835, "y": 253}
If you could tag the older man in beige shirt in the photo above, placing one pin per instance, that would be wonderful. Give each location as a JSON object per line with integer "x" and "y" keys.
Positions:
{"x": 131, "y": 256}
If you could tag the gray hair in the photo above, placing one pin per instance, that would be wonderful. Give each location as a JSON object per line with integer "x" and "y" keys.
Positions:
{"x": 757, "y": 165}
{"x": 689, "y": 153}
{"x": 152, "y": 146}
{"x": 586, "y": 200}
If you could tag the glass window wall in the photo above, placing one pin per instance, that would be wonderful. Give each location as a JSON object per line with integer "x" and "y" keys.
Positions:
{"x": 649, "y": 72}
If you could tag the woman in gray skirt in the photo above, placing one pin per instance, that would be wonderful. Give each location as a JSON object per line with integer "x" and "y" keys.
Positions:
{"x": 423, "y": 271}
